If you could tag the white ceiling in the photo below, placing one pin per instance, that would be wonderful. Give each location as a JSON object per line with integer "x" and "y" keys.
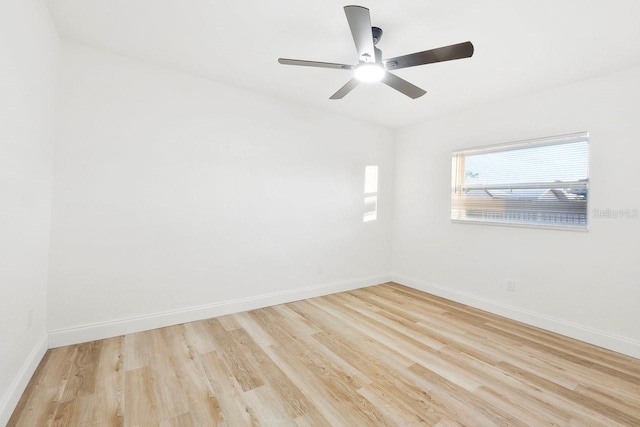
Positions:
{"x": 520, "y": 46}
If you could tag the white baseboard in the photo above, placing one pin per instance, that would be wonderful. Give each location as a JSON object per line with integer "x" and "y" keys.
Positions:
{"x": 118, "y": 327}
{"x": 583, "y": 333}
{"x": 21, "y": 380}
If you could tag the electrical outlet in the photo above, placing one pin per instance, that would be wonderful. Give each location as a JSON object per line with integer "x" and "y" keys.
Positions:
{"x": 511, "y": 285}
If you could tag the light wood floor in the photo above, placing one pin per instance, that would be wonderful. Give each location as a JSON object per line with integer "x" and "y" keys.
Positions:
{"x": 384, "y": 355}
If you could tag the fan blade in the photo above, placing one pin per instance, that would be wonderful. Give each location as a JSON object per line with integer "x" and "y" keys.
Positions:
{"x": 287, "y": 61}
{"x": 360, "y": 25}
{"x": 447, "y": 53}
{"x": 351, "y": 84}
{"x": 402, "y": 85}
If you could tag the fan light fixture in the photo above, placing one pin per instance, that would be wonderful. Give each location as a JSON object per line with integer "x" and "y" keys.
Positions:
{"x": 369, "y": 72}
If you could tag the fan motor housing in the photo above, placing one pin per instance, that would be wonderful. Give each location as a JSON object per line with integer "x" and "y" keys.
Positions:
{"x": 377, "y": 34}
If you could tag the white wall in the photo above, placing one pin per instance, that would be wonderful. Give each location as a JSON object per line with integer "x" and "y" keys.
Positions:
{"x": 28, "y": 93}
{"x": 181, "y": 198}
{"x": 582, "y": 284}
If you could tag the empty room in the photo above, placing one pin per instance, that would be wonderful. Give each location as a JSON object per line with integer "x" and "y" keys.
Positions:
{"x": 300, "y": 213}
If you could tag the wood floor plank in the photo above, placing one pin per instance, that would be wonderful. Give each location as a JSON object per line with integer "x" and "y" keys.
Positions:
{"x": 332, "y": 378}
{"x": 109, "y": 384}
{"x": 396, "y": 410}
{"x": 482, "y": 411}
{"x": 589, "y": 403}
{"x": 169, "y": 399}
{"x": 267, "y": 410}
{"x": 200, "y": 337}
{"x": 41, "y": 398}
{"x": 294, "y": 402}
{"x": 383, "y": 355}
{"x": 191, "y": 385}
{"x": 230, "y": 408}
{"x": 244, "y": 371}
{"x": 141, "y": 407}
{"x": 312, "y": 418}
{"x": 228, "y": 323}
{"x": 412, "y": 349}
{"x": 135, "y": 351}
{"x": 82, "y": 378}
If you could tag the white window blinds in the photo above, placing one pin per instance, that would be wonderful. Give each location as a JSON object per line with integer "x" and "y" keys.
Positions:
{"x": 540, "y": 182}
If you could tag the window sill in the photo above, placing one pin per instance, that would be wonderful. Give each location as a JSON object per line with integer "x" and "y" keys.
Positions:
{"x": 516, "y": 225}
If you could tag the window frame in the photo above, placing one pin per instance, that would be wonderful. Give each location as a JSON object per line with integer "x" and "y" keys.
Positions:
{"x": 458, "y": 177}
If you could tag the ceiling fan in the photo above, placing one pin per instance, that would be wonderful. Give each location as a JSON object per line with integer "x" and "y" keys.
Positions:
{"x": 371, "y": 67}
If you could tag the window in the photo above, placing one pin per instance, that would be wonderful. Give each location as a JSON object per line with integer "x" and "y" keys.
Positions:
{"x": 541, "y": 182}
{"x": 370, "y": 193}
